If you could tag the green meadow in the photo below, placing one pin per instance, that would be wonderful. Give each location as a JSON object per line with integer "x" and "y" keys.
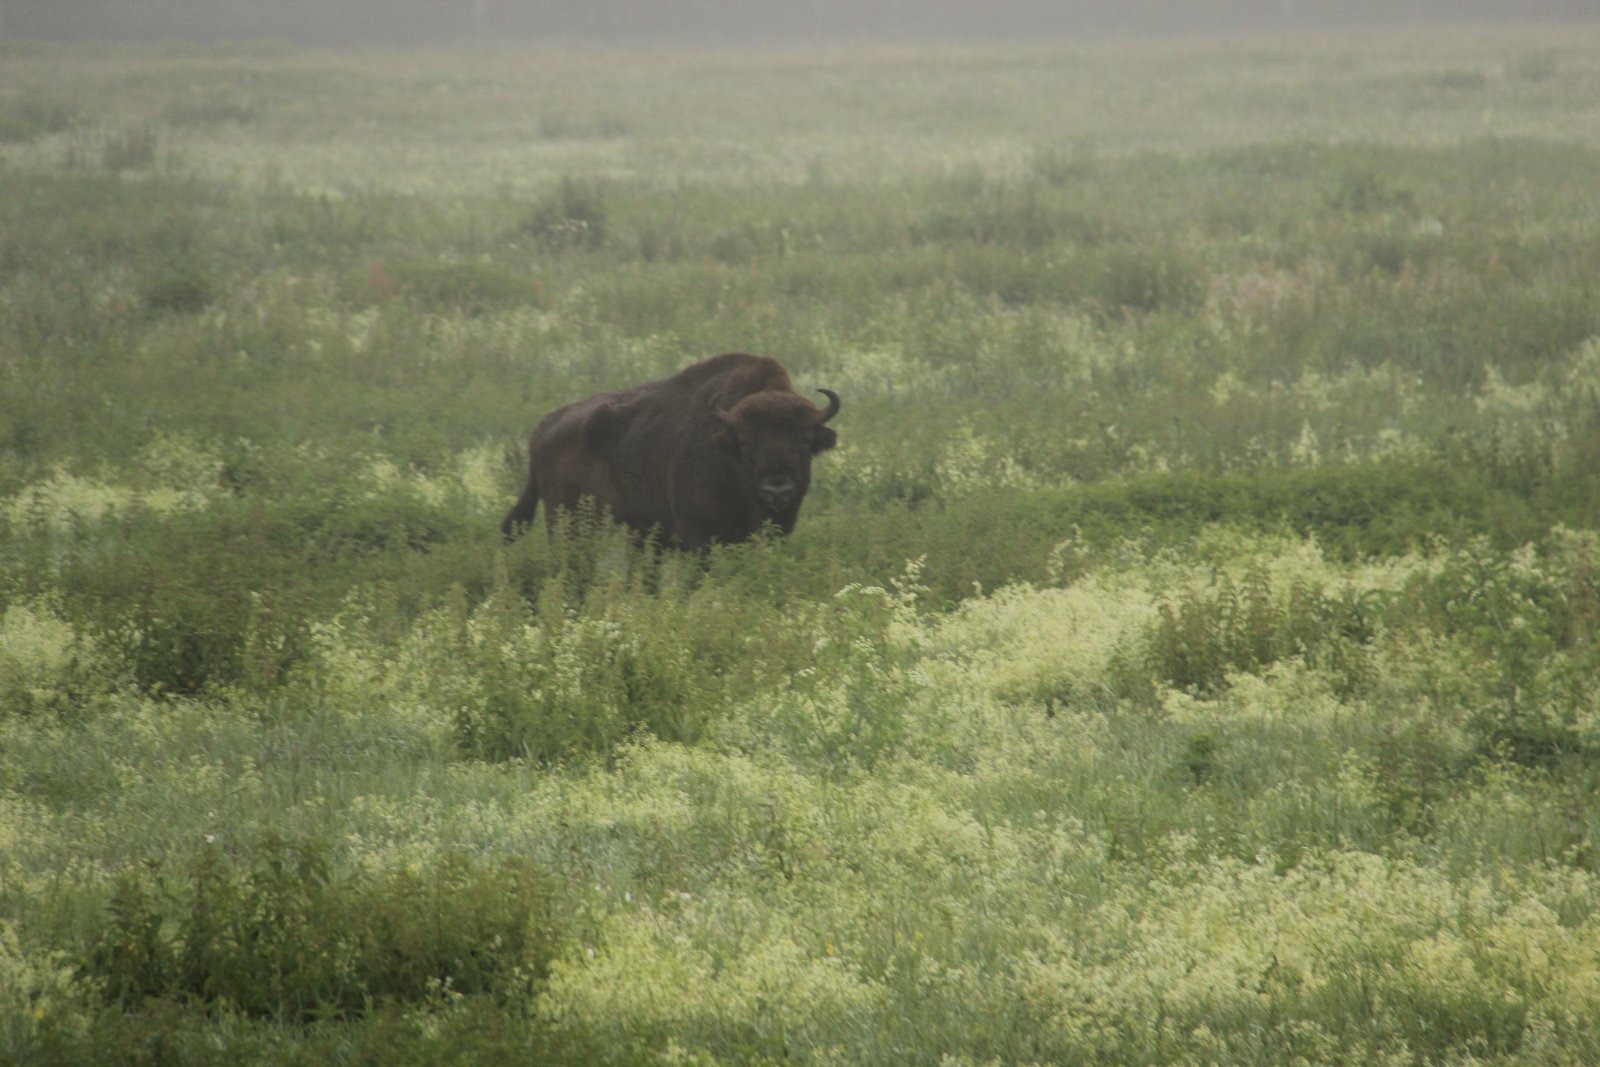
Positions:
{"x": 1188, "y": 656}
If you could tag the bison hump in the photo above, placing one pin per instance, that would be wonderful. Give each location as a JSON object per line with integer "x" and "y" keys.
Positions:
{"x": 603, "y": 426}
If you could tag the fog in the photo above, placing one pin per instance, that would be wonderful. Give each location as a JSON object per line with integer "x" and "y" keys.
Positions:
{"x": 346, "y": 22}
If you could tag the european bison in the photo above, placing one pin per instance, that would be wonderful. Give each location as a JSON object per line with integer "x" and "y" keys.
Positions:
{"x": 707, "y": 455}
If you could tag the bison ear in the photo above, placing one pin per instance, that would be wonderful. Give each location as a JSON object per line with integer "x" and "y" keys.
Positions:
{"x": 823, "y": 438}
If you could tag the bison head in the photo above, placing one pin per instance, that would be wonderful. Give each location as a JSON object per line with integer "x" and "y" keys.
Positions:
{"x": 771, "y": 437}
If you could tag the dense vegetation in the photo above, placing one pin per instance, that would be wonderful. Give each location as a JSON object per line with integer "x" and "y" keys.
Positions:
{"x": 1188, "y": 656}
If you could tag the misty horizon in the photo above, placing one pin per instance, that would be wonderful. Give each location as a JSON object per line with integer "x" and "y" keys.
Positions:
{"x": 412, "y": 22}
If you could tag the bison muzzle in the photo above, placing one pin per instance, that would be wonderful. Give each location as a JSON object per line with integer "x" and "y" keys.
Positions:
{"x": 709, "y": 455}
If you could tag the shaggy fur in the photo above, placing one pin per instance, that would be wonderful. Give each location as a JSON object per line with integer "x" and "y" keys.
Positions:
{"x": 707, "y": 455}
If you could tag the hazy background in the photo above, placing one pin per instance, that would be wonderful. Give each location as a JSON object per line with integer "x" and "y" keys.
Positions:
{"x": 449, "y": 21}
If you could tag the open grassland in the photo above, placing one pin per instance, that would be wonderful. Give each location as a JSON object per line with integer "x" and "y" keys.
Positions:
{"x": 1188, "y": 656}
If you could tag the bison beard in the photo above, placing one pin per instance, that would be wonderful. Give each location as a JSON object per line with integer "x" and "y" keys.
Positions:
{"x": 707, "y": 455}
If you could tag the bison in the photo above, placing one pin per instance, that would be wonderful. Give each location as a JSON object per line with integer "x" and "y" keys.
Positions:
{"x": 708, "y": 455}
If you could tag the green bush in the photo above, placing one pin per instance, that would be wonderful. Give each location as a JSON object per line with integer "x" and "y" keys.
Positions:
{"x": 183, "y": 285}
{"x": 572, "y": 680}
{"x": 130, "y": 149}
{"x": 285, "y": 936}
{"x": 1202, "y": 636}
{"x": 49, "y": 666}
{"x": 1141, "y": 279}
{"x": 197, "y": 614}
{"x": 592, "y": 663}
{"x": 1532, "y": 616}
{"x": 574, "y": 216}
{"x": 31, "y": 116}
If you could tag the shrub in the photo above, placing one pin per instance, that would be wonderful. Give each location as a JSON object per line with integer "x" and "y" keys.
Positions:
{"x": 29, "y": 117}
{"x": 1144, "y": 278}
{"x": 1531, "y": 616}
{"x": 575, "y": 678}
{"x": 286, "y": 936}
{"x": 182, "y": 285}
{"x": 46, "y": 665}
{"x": 1359, "y": 189}
{"x": 132, "y": 149}
{"x": 574, "y": 216}
{"x": 185, "y": 605}
{"x": 1012, "y": 216}
{"x": 1205, "y": 633}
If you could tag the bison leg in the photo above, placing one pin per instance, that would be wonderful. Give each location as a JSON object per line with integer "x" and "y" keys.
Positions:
{"x": 520, "y": 517}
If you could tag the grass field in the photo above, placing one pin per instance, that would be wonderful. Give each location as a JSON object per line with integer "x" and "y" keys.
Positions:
{"x": 1189, "y": 655}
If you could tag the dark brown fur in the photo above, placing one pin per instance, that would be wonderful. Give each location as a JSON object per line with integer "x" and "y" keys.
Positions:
{"x": 707, "y": 455}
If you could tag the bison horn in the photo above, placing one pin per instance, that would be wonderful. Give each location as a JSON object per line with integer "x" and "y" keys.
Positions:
{"x": 725, "y": 417}
{"x": 833, "y": 405}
